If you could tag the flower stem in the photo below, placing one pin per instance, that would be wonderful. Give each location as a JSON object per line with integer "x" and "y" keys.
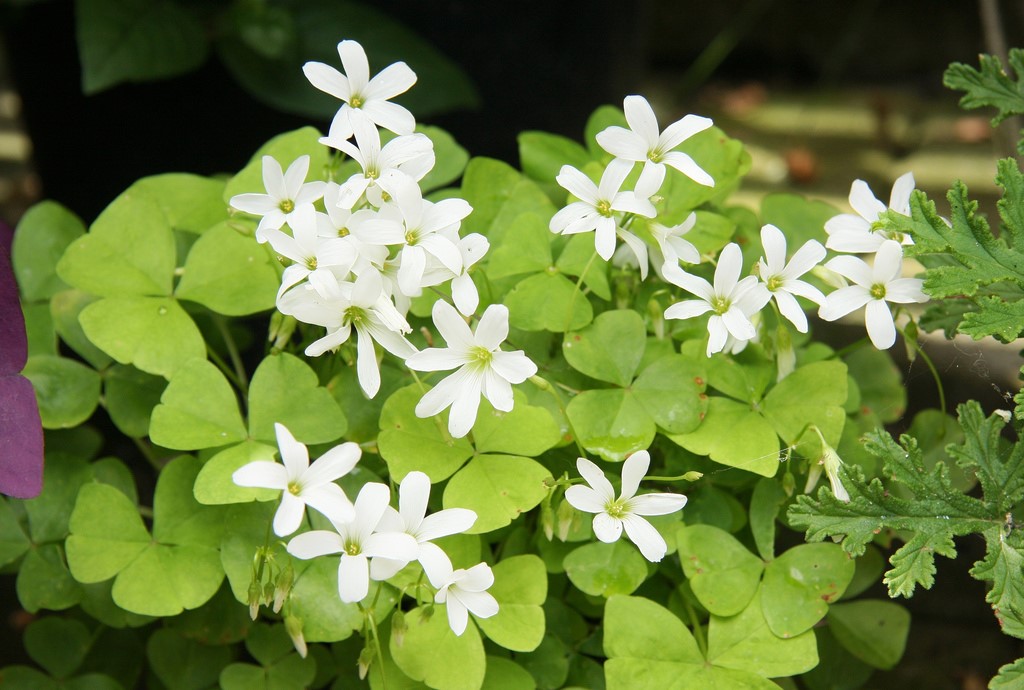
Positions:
{"x": 688, "y": 477}
{"x": 233, "y": 354}
{"x": 544, "y": 384}
{"x": 931, "y": 367}
{"x": 578, "y": 290}
{"x": 698, "y": 631}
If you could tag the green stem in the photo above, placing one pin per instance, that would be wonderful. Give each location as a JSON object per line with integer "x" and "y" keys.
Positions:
{"x": 688, "y": 477}
{"x": 224, "y": 368}
{"x": 935, "y": 372}
{"x": 856, "y": 345}
{"x": 578, "y": 290}
{"x": 375, "y": 634}
{"x": 437, "y": 418}
{"x": 147, "y": 453}
{"x": 233, "y": 354}
{"x": 698, "y": 631}
{"x": 544, "y": 384}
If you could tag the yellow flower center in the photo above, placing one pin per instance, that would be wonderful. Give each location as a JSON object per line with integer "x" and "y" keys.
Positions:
{"x": 877, "y": 291}
{"x": 287, "y": 206}
{"x": 604, "y": 208}
{"x": 294, "y": 489}
{"x": 356, "y": 101}
{"x": 720, "y": 304}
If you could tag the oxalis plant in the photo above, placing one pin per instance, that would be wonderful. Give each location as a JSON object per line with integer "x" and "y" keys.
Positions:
{"x": 375, "y": 411}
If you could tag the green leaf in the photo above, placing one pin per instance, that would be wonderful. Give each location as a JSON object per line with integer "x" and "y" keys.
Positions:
{"x": 40, "y": 333}
{"x": 801, "y": 583}
{"x": 873, "y": 631}
{"x": 603, "y": 570}
{"x": 219, "y": 621}
{"x": 284, "y": 148}
{"x": 450, "y": 162}
{"x": 723, "y": 158}
{"x": 881, "y": 386}
{"x": 130, "y": 396}
{"x": 527, "y": 248}
{"x": 542, "y": 155}
{"x": 285, "y": 390}
{"x": 44, "y": 581}
{"x": 67, "y": 391}
{"x": 432, "y": 653}
{"x": 183, "y": 663}
{"x": 755, "y": 450}
{"x": 281, "y": 668}
{"x": 800, "y": 218}
{"x": 314, "y": 600}
{"x": 499, "y": 488}
{"x": 579, "y": 258}
{"x": 191, "y": 203}
{"x": 58, "y": 645}
{"x": 13, "y": 542}
{"x": 214, "y": 485}
{"x": 135, "y": 40}
{"x": 408, "y": 443}
{"x": 610, "y": 348}
{"x": 611, "y": 423}
{"x": 744, "y": 642}
{"x": 230, "y": 273}
{"x": 814, "y": 394}
{"x": 65, "y": 306}
{"x": 129, "y": 250}
{"x": 198, "y": 409}
{"x": 548, "y": 301}
{"x": 1002, "y": 566}
{"x": 520, "y": 587}
{"x": 499, "y": 194}
{"x": 996, "y": 317}
{"x": 505, "y": 674}
{"x": 526, "y": 430}
{"x": 722, "y": 573}
{"x": 989, "y": 86}
{"x": 671, "y": 391}
{"x": 1009, "y": 677}
{"x": 178, "y": 568}
{"x": 310, "y": 31}
{"x": 766, "y": 500}
{"x": 153, "y": 333}
{"x": 48, "y": 513}
{"x": 42, "y": 236}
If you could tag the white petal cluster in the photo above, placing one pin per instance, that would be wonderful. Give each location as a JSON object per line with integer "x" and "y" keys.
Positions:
{"x": 862, "y": 232}
{"x": 377, "y": 244}
{"x": 613, "y": 515}
{"x": 608, "y": 211}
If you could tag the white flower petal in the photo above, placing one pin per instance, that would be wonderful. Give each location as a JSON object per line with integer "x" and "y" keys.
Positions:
{"x": 458, "y": 618}
{"x": 843, "y": 301}
{"x": 330, "y": 501}
{"x": 294, "y": 454}
{"x": 727, "y": 273}
{"x": 681, "y": 130}
{"x": 514, "y": 367}
{"x": 327, "y": 79}
{"x": 686, "y": 165}
{"x": 899, "y": 200}
{"x": 353, "y": 578}
{"x": 262, "y": 474}
{"x": 607, "y": 528}
{"x": 622, "y": 143}
{"x": 391, "y": 81}
{"x": 413, "y": 494}
{"x": 492, "y": 329}
{"x": 656, "y": 504}
{"x": 790, "y": 308}
{"x": 315, "y": 544}
{"x": 595, "y": 477}
{"x": 641, "y": 119}
{"x": 480, "y": 604}
{"x": 881, "y": 328}
{"x": 289, "y": 514}
{"x": 334, "y": 464}
{"x": 445, "y": 522}
{"x": 586, "y": 499}
{"x": 633, "y": 470}
{"x": 648, "y": 540}
{"x": 864, "y": 202}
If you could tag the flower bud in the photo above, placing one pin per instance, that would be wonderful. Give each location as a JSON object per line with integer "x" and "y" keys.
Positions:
{"x": 283, "y": 588}
{"x": 293, "y": 625}
{"x": 567, "y": 515}
{"x": 255, "y": 598}
{"x": 281, "y": 329}
{"x": 398, "y": 628}
{"x": 547, "y": 519}
{"x": 366, "y": 658}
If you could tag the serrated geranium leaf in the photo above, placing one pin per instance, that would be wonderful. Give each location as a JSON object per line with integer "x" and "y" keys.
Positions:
{"x": 873, "y": 631}
{"x": 611, "y": 423}
{"x": 408, "y": 443}
{"x": 67, "y": 391}
{"x": 610, "y": 348}
{"x": 499, "y": 488}
{"x": 1009, "y": 677}
{"x": 801, "y": 583}
{"x": 1002, "y": 566}
{"x": 755, "y": 450}
{"x": 182, "y": 663}
{"x": 722, "y": 573}
{"x": 520, "y": 587}
{"x": 1000, "y": 473}
{"x": 129, "y": 396}
{"x": 432, "y": 653}
{"x": 129, "y": 250}
{"x": 603, "y": 570}
{"x": 198, "y": 409}
{"x": 135, "y": 40}
{"x": 214, "y": 485}
{"x": 989, "y": 86}
{"x": 230, "y": 273}
{"x": 499, "y": 194}
{"x": 995, "y": 317}
{"x": 548, "y": 301}
{"x": 43, "y": 233}
{"x": 152, "y": 333}
{"x": 285, "y": 390}
{"x": 527, "y": 430}
{"x": 744, "y": 642}
{"x": 671, "y": 391}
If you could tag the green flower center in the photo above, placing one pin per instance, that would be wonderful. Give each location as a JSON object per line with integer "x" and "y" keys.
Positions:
{"x": 774, "y": 283}
{"x": 287, "y": 206}
{"x": 353, "y": 316}
{"x": 895, "y": 235}
{"x": 343, "y": 232}
{"x": 481, "y": 356}
{"x": 294, "y": 489}
{"x": 605, "y": 208}
{"x": 352, "y": 549}
{"x": 356, "y": 101}
{"x": 720, "y": 304}
{"x": 412, "y": 237}
{"x": 311, "y": 263}
{"x": 877, "y": 291}
{"x": 617, "y": 508}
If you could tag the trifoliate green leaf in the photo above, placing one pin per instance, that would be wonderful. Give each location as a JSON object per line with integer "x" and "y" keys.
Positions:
{"x": 873, "y": 631}
{"x": 499, "y": 194}
{"x": 67, "y": 391}
{"x": 548, "y": 301}
{"x": 520, "y": 587}
{"x": 408, "y": 442}
{"x": 41, "y": 238}
{"x": 65, "y": 306}
{"x": 610, "y": 348}
{"x": 499, "y": 488}
{"x": 722, "y": 573}
{"x": 611, "y": 423}
{"x": 59, "y": 645}
{"x": 285, "y": 390}
{"x": 603, "y": 570}
{"x": 182, "y": 663}
{"x": 198, "y": 409}
{"x": 432, "y": 653}
{"x": 526, "y": 430}
{"x": 800, "y": 584}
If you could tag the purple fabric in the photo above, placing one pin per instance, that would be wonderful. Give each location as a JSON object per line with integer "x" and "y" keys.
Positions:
{"x": 21, "y": 432}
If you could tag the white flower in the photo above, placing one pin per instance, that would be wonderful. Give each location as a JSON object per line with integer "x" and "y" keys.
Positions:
{"x": 598, "y": 204}
{"x": 357, "y": 541}
{"x": 733, "y": 302}
{"x": 361, "y": 94}
{"x": 483, "y": 368}
{"x": 309, "y": 252}
{"x": 300, "y": 483}
{"x": 473, "y": 247}
{"x": 864, "y": 233}
{"x": 781, "y": 279}
{"x": 615, "y": 514}
{"x": 462, "y": 591}
{"x": 287, "y": 192}
{"x": 411, "y": 154}
{"x": 874, "y": 286}
{"x": 342, "y": 306}
{"x": 412, "y": 519}
{"x": 671, "y": 244}
{"x": 643, "y": 143}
